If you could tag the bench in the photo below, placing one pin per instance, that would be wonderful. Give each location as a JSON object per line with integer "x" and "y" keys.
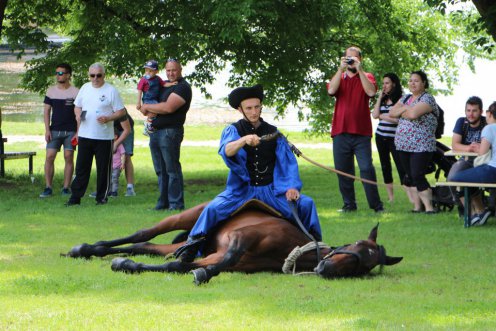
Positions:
{"x": 4, "y": 156}
{"x": 466, "y": 186}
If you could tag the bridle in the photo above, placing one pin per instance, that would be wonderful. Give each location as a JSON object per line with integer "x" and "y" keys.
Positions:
{"x": 342, "y": 250}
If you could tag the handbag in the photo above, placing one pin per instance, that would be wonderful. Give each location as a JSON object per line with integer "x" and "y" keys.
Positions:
{"x": 483, "y": 159}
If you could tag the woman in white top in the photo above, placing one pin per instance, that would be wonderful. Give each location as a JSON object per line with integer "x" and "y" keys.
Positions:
{"x": 485, "y": 173}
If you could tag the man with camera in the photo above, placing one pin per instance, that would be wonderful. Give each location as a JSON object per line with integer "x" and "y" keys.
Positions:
{"x": 352, "y": 128}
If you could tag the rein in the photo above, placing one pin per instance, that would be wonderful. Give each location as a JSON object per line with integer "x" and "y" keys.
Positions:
{"x": 298, "y": 153}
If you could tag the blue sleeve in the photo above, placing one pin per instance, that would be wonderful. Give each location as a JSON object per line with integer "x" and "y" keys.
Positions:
{"x": 286, "y": 174}
{"x": 458, "y": 129}
{"x": 236, "y": 163}
{"x": 488, "y": 133}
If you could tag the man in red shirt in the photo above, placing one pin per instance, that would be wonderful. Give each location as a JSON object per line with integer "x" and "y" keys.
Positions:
{"x": 352, "y": 128}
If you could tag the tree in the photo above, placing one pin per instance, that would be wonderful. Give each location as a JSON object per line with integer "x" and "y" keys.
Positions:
{"x": 290, "y": 46}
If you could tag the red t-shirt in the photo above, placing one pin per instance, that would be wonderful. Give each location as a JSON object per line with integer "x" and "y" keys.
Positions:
{"x": 351, "y": 111}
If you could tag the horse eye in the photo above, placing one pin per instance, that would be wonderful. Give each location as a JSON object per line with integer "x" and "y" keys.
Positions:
{"x": 371, "y": 251}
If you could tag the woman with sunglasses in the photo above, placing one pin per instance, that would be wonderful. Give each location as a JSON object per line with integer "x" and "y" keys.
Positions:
{"x": 97, "y": 104}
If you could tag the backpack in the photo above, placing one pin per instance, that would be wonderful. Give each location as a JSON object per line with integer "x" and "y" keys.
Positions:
{"x": 440, "y": 119}
{"x": 440, "y": 123}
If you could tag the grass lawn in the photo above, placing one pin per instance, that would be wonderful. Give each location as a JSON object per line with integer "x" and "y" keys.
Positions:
{"x": 445, "y": 282}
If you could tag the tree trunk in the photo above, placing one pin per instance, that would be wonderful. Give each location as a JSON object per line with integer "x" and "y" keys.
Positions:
{"x": 487, "y": 10}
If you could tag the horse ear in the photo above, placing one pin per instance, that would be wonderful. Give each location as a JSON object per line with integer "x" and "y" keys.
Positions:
{"x": 390, "y": 260}
{"x": 373, "y": 233}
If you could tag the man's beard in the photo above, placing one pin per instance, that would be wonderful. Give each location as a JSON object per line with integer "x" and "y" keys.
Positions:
{"x": 477, "y": 121}
{"x": 353, "y": 70}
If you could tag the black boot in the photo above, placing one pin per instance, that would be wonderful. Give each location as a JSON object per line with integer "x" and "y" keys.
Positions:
{"x": 188, "y": 251}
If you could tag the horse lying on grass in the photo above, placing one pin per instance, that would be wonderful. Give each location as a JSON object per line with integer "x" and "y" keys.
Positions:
{"x": 252, "y": 240}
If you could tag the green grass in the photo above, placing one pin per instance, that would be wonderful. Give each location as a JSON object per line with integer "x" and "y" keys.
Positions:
{"x": 445, "y": 282}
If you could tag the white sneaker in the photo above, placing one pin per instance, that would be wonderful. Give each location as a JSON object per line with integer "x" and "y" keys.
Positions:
{"x": 130, "y": 192}
{"x": 483, "y": 217}
{"x": 474, "y": 221}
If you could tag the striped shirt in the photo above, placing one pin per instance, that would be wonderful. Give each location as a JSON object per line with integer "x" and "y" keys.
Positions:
{"x": 385, "y": 128}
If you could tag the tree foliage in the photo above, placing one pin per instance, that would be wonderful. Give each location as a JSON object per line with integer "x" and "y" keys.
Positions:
{"x": 290, "y": 46}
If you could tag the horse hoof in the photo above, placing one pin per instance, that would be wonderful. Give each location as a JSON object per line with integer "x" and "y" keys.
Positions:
{"x": 124, "y": 265}
{"x": 200, "y": 275}
{"x": 80, "y": 251}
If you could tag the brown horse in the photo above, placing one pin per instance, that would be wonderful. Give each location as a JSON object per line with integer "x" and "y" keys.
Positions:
{"x": 251, "y": 240}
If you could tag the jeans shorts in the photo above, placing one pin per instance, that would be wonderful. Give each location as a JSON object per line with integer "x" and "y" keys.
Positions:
{"x": 128, "y": 143}
{"x": 60, "y": 138}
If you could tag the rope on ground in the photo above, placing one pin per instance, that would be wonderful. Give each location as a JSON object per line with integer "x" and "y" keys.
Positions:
{"x": 290, "y": 262}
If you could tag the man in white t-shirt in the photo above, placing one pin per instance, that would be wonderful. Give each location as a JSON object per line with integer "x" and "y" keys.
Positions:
{"x": 98, "y": 104}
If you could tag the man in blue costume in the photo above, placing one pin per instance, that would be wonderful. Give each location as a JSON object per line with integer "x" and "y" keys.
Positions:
{"x": 263, "y": 170}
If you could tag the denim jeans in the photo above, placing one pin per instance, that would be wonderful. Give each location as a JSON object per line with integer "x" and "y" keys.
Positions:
{"x": 481, "y": 174}
{"x": 345, "y": 147}
{"x": 165, "y": 147}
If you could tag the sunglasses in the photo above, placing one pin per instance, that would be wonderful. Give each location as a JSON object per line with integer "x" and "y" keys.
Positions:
{"x": 60, "y": 73}
{"x": 172, "y": 59}
{"x": 96, "y": 75}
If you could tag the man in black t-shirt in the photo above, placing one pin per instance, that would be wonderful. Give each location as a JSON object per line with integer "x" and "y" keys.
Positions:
{"x": 60, "y": 127}
{"x": 165, "y": 142}
{"x": 467, "y": 137}
{"x": 467, "y": 134}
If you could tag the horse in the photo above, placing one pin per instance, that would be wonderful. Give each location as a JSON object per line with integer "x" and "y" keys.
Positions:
{"x": 254, "y": 239}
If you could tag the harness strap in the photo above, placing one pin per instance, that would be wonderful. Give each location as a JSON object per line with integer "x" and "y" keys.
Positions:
{"x": 290, "y": 262}
{"x": 294, "y": 211}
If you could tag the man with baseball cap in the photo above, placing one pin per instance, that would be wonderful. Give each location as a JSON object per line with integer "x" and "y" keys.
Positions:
{"x": 260, "y": 169}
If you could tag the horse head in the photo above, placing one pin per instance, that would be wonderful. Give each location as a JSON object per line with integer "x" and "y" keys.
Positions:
{"x": 355, "y": 259}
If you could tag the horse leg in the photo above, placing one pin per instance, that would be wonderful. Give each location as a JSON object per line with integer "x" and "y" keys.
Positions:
{"x": 240, "y": 241}
{"x": 129, "y": 266}
{"x": 181, "y": 221}
{"x": 136, "y": 249}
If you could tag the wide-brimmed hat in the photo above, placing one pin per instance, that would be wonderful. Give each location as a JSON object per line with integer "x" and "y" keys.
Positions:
{"x": 242, "y": 93}
{"x": 152, "y": 64}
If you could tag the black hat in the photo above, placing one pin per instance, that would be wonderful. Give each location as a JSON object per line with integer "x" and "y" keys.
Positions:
{"x": 242, "y": 93}
{"x": 152, "y": 64}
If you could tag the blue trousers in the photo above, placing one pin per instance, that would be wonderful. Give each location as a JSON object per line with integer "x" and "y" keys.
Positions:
{"x": 226, "y": 203}
{"x": 345, "y": 148}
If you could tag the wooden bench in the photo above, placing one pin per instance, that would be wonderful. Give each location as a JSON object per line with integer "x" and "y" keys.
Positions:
{"x": 466, "y": 186}
{"x": 12, "y": 155}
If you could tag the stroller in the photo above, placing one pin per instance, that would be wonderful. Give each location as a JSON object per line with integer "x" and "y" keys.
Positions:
{"x": 442, "y": 197}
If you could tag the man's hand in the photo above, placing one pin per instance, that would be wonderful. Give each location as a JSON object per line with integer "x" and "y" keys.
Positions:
{"x": 103, "y": 119}
{"x": 474, "y": 147}
{"x": 252, "y": 140}
{"x": 143, "y": 109}
{"x": 48, "y": 136}
{"x": 292, "y": 194}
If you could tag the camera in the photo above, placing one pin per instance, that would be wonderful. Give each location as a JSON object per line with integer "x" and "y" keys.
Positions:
{"x": 349, "y": 60}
